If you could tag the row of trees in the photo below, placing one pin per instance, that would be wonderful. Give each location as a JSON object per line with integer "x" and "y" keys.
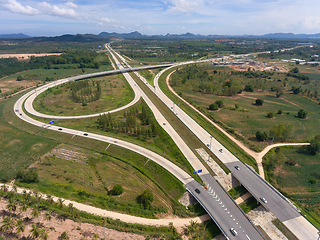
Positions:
{"x": 134, "y": 123}
{"x": 82, "y": 91}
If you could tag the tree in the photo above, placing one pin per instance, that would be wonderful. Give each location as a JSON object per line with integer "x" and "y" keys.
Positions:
{"x": 35, "y": 212}
{"x": 236, "y": 106}
{"x": 20, "y": 225}
{"x": 19, "y": 78}
{"x": 60, "y": 202}
{"x": 35, "y": 231}
{"x": 71, "y": 209}
{"x": 219, "y": 103}
{"x": 24, "y": 205}
{"x": 8, "y": 224}
{"x": 103, "y": 224}
{"x": 147, "y": 198}
{"x": 213, "y": 106}
{"x": 261, "y": 136}
{"x": 314, "y": 146}
{"x": 12, "y": 205}
{"x": 248, "y": 88}
{"x": 44, "y": 233}
{"x": 270, "y": 115}
{"x": 280, "y": 132}
{"x": 117, "y": 190}
{"x": 279, "y": 112}
{"x": 302, "y": 114}
{"x": 295, "y": 70}
{"x": 259, "y": 102}
{"x": 64, "y": 235}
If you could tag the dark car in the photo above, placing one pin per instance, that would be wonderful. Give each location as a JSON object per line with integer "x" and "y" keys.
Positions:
{"x": 237, "y": 167}
{"x": 59, "y": 129}
{"x": 86, "y": 134}
{"x": 197, "y": 190}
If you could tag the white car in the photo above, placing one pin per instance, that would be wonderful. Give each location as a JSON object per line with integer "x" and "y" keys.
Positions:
{"x": 263, "y": 200}
{"x": 221, "y": 150}
{"x": 234, "y": 232}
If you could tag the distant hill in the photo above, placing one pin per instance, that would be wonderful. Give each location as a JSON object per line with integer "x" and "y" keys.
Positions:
{"x": 289, "y": 35}
{"x": 123, "y": 35}
{"x": 18, "y": 35}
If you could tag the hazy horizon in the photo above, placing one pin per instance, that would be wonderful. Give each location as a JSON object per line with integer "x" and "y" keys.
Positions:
{"x": 235, "y": 17}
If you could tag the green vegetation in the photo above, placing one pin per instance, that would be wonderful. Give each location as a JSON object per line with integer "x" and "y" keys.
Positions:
{"x": 237, "y": 192}
{"x": 23, "y": 147}
{"x": 69, "y": 60}
{"x": 85, "y": 97}
{"x": 296, "y": 174}
{"x": 57, "y": 209}
{"x": 273, "y": 89}
{"x": 249, "y": 204}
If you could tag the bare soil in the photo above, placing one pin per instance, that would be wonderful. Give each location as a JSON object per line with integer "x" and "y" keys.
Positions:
{"x": 27, "y": 56}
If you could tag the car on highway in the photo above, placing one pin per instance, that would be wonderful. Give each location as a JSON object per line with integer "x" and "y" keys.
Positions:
{"x": 197, "y": 191}
{"x": 86, "y": 134}
{"x": 208, "y": 145}
{"x": 234, "y": 232}
{"x": 221, "y": 150}
{"x": 164, "y": 123}
{"x": 263, "y": 200}
{"x": 237, "y": 167}
{"x": 115, "y": 141}
{"x": 59, "y": 129}
{"x": 17, "y": 109}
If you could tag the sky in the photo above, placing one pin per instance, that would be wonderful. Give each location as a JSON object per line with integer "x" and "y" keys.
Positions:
{"x": 154, "y": 17}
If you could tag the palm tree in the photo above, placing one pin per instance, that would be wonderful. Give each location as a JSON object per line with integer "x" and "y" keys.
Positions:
{"x": 15, "y": 190}
{"x": 60, "y": 202}
{"x": 35, "y": 231}
{"x": 104, "y": 224}
{"x": 71, "y": 209}
{"x": 20, "y": 226}
{"x": 48, "y": 216}
{"x": 4, "y": 188}
{"x": 44, "y": 233}
{"x": 50, "y": 200}
{"x": 64, "y": 235}
{"x": 95, "y": 236}
{"x": 12, "y": 205}
{"x": 35, "y": 212}
{"x": 24, "y": 205}
{"x": 7, "y": 224}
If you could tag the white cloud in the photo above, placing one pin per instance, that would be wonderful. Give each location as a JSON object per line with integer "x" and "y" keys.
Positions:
{"x": 311, "y": 23}
{"x": 107, "y": 20}
{"x": 15, "y": 7}
{"x": 54, "y": 10}
{"x": 71, "y": 5}
{"x": 184, "y": 5}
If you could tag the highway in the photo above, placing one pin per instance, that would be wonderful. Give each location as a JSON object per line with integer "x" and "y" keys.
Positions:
{"x": 257, "y": 186}
{"x": 217, "y": 203}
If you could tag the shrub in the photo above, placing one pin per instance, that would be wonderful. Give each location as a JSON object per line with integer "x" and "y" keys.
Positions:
{"x": 213, "y": 106}
{"x": 280, "y": 132}
{"x": 259, "y": 102}
{"x": 279, "y": 112}
{"x": 302, "y": 114}
{"x": 236, "y": 106}
{"x": 147, "y": 198}
{"x": 29, "y": 176}
{"x": 270, "y": 115}
{"x": 312, "y": 181}
{"x": 19, "y": 78}
{"x": 116, "y": 190}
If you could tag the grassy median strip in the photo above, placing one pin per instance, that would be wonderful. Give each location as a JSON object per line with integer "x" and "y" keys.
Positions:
{"x": 284, "y": 229}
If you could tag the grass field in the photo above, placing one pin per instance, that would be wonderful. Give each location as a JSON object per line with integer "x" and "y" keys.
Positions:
{"x": 87, "y": 177}
{"x": 248, "y": 118}
{"x": 296, "y": 174}
{"x": 116, "y": 92}
{"x": 18, "y": 149}
{"x": 169, "y": 185}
